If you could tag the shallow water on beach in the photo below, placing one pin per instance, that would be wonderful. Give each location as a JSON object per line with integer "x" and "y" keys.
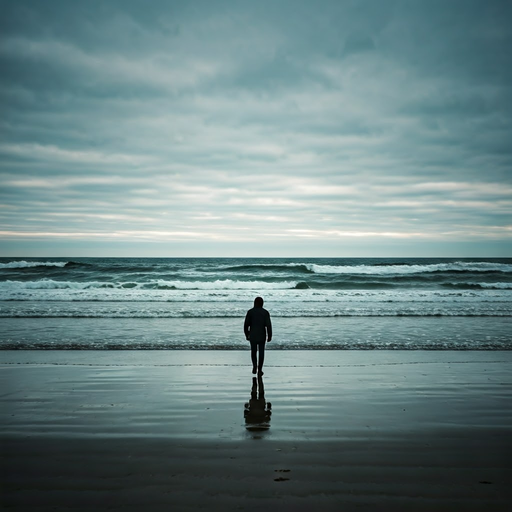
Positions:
{"x": 200, "y": 303}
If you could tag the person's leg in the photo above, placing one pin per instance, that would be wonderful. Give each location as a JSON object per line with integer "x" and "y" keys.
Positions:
{"x": 254, "y": 349}
{"x": 261, "y": 356}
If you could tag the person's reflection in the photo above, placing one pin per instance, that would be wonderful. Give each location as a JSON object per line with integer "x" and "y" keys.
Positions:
{"x": 257, "y": 412}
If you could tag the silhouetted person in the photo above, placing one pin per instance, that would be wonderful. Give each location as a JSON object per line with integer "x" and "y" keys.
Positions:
{"x": 258, "y": 330}
{"x": 257, "y": 411}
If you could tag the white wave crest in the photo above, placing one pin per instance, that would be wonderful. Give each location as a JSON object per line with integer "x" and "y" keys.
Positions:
{"x": 496, "y": 286}
{"x": 29, "y": 264}
{"x": 49, "y": 284}
{"x": 226, "y": 284}
{"x": 458, "y": 266}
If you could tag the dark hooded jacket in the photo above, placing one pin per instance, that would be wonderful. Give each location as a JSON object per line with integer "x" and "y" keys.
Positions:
{"x": 257, "y": 325}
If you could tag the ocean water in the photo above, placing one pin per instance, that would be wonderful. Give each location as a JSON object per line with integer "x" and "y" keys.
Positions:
{"x": 200, "y": 303}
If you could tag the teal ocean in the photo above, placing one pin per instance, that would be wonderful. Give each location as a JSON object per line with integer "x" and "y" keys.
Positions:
{"x": 200, "y": 303}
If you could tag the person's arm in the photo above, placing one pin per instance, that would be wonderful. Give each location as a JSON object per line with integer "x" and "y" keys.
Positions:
{"x": 247, "y": 324}
{"x": 269, "y": 328}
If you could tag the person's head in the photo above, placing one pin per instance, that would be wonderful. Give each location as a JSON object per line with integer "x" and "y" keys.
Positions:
{"x": 258, "y": 302}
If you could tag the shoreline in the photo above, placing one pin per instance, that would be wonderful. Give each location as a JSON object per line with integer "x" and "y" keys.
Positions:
{"x": 225, "y": 333}
{"x": 357, "y": 430}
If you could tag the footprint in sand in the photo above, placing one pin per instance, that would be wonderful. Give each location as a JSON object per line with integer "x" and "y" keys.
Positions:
{"x": 281, "y": 479}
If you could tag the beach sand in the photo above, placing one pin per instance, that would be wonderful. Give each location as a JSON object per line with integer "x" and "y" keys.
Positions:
{"x": 165, "y": 430}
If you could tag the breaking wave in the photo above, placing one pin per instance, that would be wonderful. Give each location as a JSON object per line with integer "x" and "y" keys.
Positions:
{"x": 484, "y": 286}
{"x": 379, "y": 269}
{"x": 298, "y": 267}
{"x": 394, "y": 269}
{"x": 159, "y": 284}
{"x": 32, "y": 264}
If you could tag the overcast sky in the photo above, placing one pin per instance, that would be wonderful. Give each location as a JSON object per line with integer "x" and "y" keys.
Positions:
{"x": 265, "y": 128}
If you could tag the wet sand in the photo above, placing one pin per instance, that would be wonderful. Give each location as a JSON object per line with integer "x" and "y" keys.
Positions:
{"x": 165, "y": 430}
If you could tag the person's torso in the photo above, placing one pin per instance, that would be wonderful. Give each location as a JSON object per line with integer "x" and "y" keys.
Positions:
{"x": 258, "y": 322}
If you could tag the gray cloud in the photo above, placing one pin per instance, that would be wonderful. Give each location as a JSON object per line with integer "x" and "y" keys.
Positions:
{"x": 345, "y": 123}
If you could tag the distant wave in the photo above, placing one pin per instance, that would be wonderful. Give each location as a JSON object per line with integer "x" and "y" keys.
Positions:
{"x": 31, "y": 264}
{"x": 497, "y": 286}
{"x": 225, "y": 284}
{"x": 49, "y": 284}
{"x": 300, "y": 270}
{"x": 297, "y": 267}
{"x": 217, "y": 285}
{"x": 222, "y": 284}
{"x": 391, "y": 269}
{"x": 379, "y": 269}
{"x": 485, "y": 286}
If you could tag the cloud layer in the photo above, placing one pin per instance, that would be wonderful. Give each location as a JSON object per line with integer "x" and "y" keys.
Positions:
{"x": 266, "y": 128}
